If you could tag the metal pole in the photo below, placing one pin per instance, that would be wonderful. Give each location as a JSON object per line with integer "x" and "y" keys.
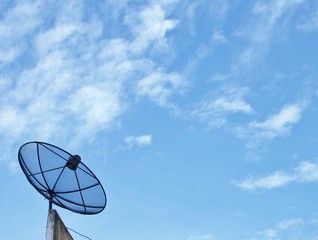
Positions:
{"x": 50, "y": 201}
{"x": 50, "y": 205}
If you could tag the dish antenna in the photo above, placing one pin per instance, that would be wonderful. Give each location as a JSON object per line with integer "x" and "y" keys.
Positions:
{"x": 62, "y": 178}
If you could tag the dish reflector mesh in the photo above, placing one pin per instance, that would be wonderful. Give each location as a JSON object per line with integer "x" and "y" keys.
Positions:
{"x": 62, "y": 178}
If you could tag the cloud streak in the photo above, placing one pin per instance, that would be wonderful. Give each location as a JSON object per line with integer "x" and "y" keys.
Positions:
{"x": 140, "y": 141}
{"x": 215, "y": 107}
{"x": 305, "y": 172}
{"x": 149, "y": 27}
{"x": 260, "y": 33}
{"x": 207, "y": 236}
{"x": 280, "y": 123}
{"x": 310, "y": 23}
{"x": 159, "y": 87}
{"x": 286, "y": 229}
{"x": 275, "y": 125}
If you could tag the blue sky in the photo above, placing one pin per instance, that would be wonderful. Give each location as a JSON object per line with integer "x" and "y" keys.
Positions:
{"x": 198, "y": 117}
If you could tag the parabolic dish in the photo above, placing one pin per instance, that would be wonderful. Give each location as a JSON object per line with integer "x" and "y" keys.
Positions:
{"x": 62, "y": 178}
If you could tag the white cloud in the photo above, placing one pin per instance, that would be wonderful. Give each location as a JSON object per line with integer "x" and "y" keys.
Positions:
{"x": 207, "y": 236}
{"x": 55, "y": 37}
{"x": 266, "y": 16}
{"x": 5, "y": 84}
{"x": 214, "y": 108}
{"x": 198, "y": 55}
{"x": 140, "y": 141}
{"x": 305, "y": 172}
{"x": 282, "y": 230}
{"x": 217, "y": 11}
{"x": 219, "y": 77}
{"x": 190, "y": 12}
{"x": 310, "y": 23}
{"x": 150, "y": 27}
{"x": 21, "y": 19}
{"x": 219, "y": 37}
{"x": 267, "y": 234}
{"x": 11, "y": 119}
{"x": 236, "y": 105}
{"x": 14, "y": 167}
{"x": 273, "y": 180}
{"x": 279, "y": 123}
{"x": 60, "y": 91}
{"x": 9, "y": 56}
{"x": 76, "y": 80}
{"x": 96, "y": 107}
{"x": 160, "y": 86}
{"x": 275, "y": 125}
{"x": 289, "y": 223}
{"x": 18, "y": 22}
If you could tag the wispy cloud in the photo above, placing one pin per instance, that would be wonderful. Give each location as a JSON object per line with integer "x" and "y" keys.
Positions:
{"x": 260, "y": 33}
{"x": 305, "y": 172}
{"x": 16, "y": 23}
{"x": 75, "y": 80}
{"x": 215, "y": 107}
{"x": 292, "y": 228}
{"x": 219, "y": 77}
{"x": 279, "y": 123}
{"x": 310, "y": 23}
{"x": 57, "y": 92}
{"x": 289, "y": 223}
{"x": 140, "y": 141}
{"x": 159, "y": 87}
{"x": 271, "y": 181}
{"x": 275, "y": 125}
{"x": 207, "y": 236}
{"x": 219, "y": 37}
{"x": 282, "y": 230}
{"x": 150, "y": 27}
{"x": 217, "y": 10}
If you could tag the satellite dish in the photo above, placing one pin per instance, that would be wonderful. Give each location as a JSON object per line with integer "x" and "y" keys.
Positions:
{"x": 62, "y": 178}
